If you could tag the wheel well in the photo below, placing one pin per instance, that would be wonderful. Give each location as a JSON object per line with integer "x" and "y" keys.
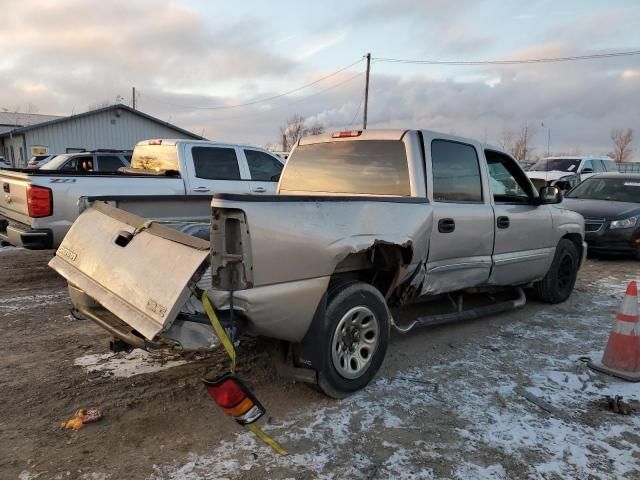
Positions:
{"x": 378, "y": 265}
{"x": 577, "y": 241}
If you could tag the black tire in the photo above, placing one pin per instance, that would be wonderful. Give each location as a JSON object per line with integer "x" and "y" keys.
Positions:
{"x": 360, "y": 298}
{"x": 559, "y": 281}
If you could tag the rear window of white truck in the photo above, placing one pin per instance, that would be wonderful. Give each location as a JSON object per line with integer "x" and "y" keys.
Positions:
{"x": 373, "y": 167}
{"x": 155, "y": 157}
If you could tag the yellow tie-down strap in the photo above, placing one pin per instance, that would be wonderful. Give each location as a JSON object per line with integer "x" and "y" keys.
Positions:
{"x": 220, "y": 333}
{"x": 228, "y": 346}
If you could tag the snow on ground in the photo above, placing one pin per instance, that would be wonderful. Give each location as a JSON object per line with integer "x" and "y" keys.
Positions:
{"x": 614, "y": 286}
{"x": 9, "y": 248}
{"x": 26, "y": 302}
{"x": 469, "y": 415}
{"x": 124, "y": 364}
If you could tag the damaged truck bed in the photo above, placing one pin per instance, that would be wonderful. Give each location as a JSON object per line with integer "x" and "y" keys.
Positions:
{"x": 362, "y": 221}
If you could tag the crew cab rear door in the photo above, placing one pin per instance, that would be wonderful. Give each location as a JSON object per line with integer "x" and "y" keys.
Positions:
{"x": 215, "y": 169}
{"x": 264, "y": 170}
{"x": 461, "y": 240}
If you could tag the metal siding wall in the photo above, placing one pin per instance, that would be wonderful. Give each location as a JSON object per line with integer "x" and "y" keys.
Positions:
{"x": 96, "y": 131}
{"x": 16, "y": 142}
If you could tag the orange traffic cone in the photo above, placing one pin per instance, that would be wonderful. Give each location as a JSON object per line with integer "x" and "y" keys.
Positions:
{"x": 622, "y": 354}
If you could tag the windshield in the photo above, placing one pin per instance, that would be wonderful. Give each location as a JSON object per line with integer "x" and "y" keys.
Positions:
{"x": 55, "y": 163}
{"x": 614, "y": 189}
{"x": 155, "y": 157}
{"x": 558, "y": 164}
{"x": 374, "y": 167}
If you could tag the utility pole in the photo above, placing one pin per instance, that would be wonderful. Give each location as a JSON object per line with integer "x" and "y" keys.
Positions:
{"x": 366, "y": 92}
{"x": 548, "y": 140}
{"x": 133, "y": 98}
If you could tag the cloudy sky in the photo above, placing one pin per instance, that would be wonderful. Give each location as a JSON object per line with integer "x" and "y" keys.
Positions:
{"x": 189, "y": 58}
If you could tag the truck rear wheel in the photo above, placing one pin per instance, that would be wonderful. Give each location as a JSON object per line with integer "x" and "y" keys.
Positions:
{"x": 559, "y": 281}
{"x": 356, "y": 339}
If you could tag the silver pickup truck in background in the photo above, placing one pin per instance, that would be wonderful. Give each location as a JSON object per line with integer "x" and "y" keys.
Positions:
{"x": 37, "y": 207}
{"x": 362, "y": 221}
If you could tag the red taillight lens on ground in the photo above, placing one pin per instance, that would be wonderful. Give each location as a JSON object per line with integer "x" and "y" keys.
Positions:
{"x": 234, "y": 398}
{"x": 39, "y": 201}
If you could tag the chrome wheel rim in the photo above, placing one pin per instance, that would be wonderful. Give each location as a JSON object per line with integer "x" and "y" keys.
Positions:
{"x": 354, "y": 342}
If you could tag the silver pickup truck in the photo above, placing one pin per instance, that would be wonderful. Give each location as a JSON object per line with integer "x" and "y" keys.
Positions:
{"x": 37, "y": 207}
{"x": 363, "y": 221}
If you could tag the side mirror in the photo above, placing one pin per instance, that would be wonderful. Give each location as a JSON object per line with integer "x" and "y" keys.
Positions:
{"x": 275, "y": 178}
{"x": 587, "y": 170}
{"x": 550, "y": 195}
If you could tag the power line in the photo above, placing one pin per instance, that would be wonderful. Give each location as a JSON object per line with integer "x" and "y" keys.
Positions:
{"x": 261, "y": 100}
{"x": 295, "y": 102}
{"x": 357, "y": 111}
{"x": 596, "y": 56}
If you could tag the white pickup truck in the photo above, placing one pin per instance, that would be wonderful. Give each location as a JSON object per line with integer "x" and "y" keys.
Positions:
{"x": 37, "y": 207}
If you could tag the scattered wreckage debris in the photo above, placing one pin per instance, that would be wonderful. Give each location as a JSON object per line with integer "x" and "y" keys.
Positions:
{"x": 617, "y": 405}
{"x": 540, "y": 403}
{"x": 82, "y": 417}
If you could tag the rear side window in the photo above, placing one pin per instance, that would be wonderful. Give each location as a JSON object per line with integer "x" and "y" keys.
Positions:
{"x": 456, "y": 172}
{"x": 262, "y": 166}
{"x": 374, "y": 167}
{"x": 155, "y": 157}
{"x": 70, "y": 166}
{"x": 109, "y": 163}
{"x": 610, "y": 166}
{"x": 78, "y": 164}
{"x": 215, "y": 163}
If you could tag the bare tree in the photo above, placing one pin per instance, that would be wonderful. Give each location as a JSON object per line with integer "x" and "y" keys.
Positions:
{"x": 105, "y": 103}
{"x": 505, "y": 142}
{"x": 518, "y": 144}
{"x": 315, "y": 129}
{"x": 621, "y": 144}
{"x": 295, "y": 129}
{"x": 522, "y": 149}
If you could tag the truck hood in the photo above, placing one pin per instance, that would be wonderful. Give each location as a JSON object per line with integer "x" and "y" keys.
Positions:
{"x": 140, "y": 271}
{"x": 550, "y": 175}
{"x": 601, "y": 209}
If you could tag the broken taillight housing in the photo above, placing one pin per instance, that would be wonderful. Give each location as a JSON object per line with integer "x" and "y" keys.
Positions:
{"x": 39, "y": 201}
{"x": 234, "y": 398}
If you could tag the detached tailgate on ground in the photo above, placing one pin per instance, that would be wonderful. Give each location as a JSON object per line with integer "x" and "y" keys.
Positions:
{"x": 138, "y": 270}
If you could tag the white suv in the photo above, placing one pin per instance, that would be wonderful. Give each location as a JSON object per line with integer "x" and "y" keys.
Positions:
{"x": 567, "y": 172}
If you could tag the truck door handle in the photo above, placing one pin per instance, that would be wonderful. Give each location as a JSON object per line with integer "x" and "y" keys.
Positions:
{"x": 201, "y": 189}
{"x": 503, "y": 222}
{"x": 259, "y": 190}
{"x": 446, "y": 225}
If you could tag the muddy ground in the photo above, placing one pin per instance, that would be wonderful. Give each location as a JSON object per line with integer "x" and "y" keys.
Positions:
{"x": 449, "y": 402}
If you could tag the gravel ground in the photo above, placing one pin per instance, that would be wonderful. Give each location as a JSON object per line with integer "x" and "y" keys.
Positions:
{"x": 449, "y": 402}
